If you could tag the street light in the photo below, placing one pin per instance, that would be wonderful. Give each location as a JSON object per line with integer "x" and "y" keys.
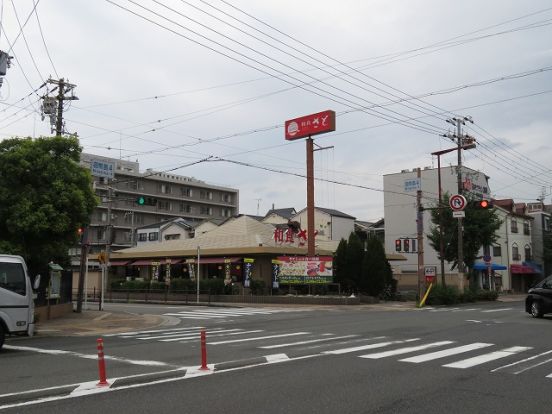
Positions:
{"x": 466, "y": 146}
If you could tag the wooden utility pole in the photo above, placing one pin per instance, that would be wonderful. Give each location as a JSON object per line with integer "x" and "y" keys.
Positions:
{"x": 420, "y": 232}
{"x": 63, "y": 88}
{"x": 310, "y": 197}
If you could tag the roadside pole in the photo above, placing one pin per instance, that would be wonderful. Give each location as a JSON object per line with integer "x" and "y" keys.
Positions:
{"x": 197, "y": 275}
{"x": 420, "y": 232}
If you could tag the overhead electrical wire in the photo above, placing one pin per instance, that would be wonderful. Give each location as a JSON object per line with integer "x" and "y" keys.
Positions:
{"x": 44, "y": 40}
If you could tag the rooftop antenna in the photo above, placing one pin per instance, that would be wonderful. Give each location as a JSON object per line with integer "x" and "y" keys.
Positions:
{"x": 258, "y": 204}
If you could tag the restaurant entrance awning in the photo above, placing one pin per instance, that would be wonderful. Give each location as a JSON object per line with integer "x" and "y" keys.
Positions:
{"x": 483, "y": 266}
{"x": 209, "y": 260}
{"x": 522, "y": 269}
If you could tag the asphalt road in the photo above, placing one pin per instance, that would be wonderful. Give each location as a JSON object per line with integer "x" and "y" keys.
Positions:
{"x": 481, "y": 357}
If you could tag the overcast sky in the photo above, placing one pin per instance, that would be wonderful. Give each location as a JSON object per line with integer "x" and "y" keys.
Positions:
{"x": 170, "y": 83}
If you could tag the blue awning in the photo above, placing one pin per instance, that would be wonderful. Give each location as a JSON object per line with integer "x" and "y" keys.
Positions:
{"x": 483, "y": 266}
{"x": 534, "y": 265}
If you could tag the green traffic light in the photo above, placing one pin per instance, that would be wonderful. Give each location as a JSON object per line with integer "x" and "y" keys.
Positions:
{"x": 141, "y": 201}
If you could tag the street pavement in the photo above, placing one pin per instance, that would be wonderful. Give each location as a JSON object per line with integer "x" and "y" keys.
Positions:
{"x": 148, "y": 345}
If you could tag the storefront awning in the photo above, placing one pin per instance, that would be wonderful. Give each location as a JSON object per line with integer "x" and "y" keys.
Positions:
{"x": 119, "y": 262}
{"x": 209, "y": 260}
{"x": 148, "y": 262}
{"x": 483, "y": 266}
{"x": 522, "y": 269}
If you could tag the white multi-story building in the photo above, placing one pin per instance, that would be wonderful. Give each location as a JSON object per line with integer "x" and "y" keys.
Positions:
{"x": 400, "y": 191}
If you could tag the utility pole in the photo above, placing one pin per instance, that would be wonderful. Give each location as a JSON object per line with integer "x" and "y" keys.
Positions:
{"x": 83, "y": 268}
{"x": 108, "y": 232}
{"x": 461, "y": 140}
{"x": 420, "y": 232}
{"x": 53, "y": 105}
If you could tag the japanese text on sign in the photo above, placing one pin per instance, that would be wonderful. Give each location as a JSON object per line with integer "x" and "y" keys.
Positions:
{"x": 102, "y": 169}
{"x": 310, "y": 125}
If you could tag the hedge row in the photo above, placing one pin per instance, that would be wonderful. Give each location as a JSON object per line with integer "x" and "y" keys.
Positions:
{"x": 214, "y": 286}
{"x": 449, "y": 295}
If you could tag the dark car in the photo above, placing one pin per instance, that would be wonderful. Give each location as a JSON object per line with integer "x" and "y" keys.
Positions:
{"x": 539, "y": 299}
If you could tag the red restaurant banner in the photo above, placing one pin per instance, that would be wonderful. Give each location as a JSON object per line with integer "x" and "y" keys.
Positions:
{"x": 308, "y": 125}
{"x": 305, "y": 270}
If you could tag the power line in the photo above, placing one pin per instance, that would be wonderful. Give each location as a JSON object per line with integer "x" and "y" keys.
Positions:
{"x": 44, "y": 40}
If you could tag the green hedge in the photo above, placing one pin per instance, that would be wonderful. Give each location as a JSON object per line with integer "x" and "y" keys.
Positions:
{"x": 214, "y": 286}
{"x": 450, "y": 295}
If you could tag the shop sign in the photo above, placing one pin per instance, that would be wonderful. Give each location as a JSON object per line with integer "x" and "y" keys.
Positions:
{"x": 305, "y": 270}
{"x": 309, "y": 125}
{"x": 288, "y": 236}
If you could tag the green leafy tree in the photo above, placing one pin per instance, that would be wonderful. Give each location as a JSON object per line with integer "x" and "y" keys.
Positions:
{"x": 340, "y": 264}
{"x": 480, "y": 227}
{"x": 376, "y": 271}
{"x": 354, "y": 256}
{"x": 45, "y": 196}
{"x": 547, "y": 252}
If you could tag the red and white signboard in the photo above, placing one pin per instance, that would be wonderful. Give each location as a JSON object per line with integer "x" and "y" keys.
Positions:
{"x": 310, "y": 125}
{"x": 457, "y": 202}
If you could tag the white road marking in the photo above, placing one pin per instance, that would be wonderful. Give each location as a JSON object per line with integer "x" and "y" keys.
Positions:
{"x": 473, "y": 320}
{"x": 311, "y": 341}
{"x": 446, "y": 352}
{"x": 188, "y": 334}
{"x": 86, "y": 356}
{"x": 194, "y": 315}
{"x": 525, "y": 360}
{"x": 258, "y": 338}
{"x": 153, "y": 331}
{"x": 184, "y": 338}
{"x": 481, "y": 359}
{"x": 496, "y": 310}
{"x": 369, "y": 346}
{"x": 406, "y": 350}
{"x": 276, "y": 358}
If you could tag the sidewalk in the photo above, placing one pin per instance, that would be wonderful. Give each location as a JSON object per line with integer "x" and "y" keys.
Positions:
{"x": 93, "y": 322}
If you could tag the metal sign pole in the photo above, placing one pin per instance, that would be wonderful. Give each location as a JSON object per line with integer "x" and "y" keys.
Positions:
{"x": 197, "y": 275}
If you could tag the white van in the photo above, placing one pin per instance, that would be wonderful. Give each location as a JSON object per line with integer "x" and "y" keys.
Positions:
{"x": 16, "y": 297}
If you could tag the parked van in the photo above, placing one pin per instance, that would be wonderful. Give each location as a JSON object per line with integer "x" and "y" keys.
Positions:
{"x": 16, "y": 297}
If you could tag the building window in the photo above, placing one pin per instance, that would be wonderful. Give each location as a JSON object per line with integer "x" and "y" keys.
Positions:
{"x": 207, "y": 211}
{"x": 186, "y": 191}
{"x": 164, "y": 205}
{"x": 515, "y": 252}
{"x": 227, "y": 198}
{"x": 172, "y": 236}
{"x": 513, "y": 226}
{"x": 127, "y": 236}
{"x": 546, "y": 224}
{"x": 142, "y": 237}
{"x": 185, "y": 208}
{"x": 413, "y": 245}
{"x": 103, "y": 216}
{"x": 100, "y": 234}
{"x": 497, "y": 251}
{"x": 527, "y": 252}
{"x": 165, "y": 189}
{"x": 526, "y": 228}
{"x": 138, "y": 219}
{"x": 225, "y": 212}
{"x": 206, "y": 195}
{"x": 153, "y": 236}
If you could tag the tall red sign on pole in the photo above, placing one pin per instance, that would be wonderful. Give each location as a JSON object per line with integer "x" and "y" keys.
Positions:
{"x": 307, "y": 126}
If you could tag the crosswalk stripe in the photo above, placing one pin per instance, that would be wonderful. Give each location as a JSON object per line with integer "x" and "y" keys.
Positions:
{"x": 369, "y": 346}
{"x": 496, "y": 310}
{"x": 195, "y": 315}
{"x": 258, "y": 338}
{"x": 406, "y": 350}
{"x": 446, "y": 352}
{"x": 492, "y": 356}
{"x": 154, "y": 331}
{"x": 311, "y": 341}
{"x": 190, "y": 334}
{"x": 210, "y": 336}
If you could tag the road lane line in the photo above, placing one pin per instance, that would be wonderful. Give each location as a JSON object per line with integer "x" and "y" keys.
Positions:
{"x": 369, "y": 346}
{"x": 276, "y": 358}
{"x": 492, "y": 356}
{"x": 311, "y": 341}
{"x": 257, "y": 338}
{"x": 446, "y": 352}
{"x": 86, "y": 356}
{"x": 405, "y": 350}
{"x": 525, "y": 360}
{"x": 496, "y": 310}
{"x": 194, "y": 315}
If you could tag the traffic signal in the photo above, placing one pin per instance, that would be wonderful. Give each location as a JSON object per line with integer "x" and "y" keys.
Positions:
{"x": 406, "y": 245}
{"x": 146, "y": 201}
{"x": 81, "y": 234}
{"x": 484, "y": 204}
{"x": 398, "y": 245}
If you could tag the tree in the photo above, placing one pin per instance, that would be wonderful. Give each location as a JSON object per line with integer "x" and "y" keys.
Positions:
{"x": 353, "y": 266}
{"x": 340, "y": 265}
{"x": 376, "y": 271}
{"x": 45, "y": 196}
{"x": 480, "y": 227}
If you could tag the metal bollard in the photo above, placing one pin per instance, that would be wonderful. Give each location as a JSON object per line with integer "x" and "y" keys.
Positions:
{"x": 203, "y": 351}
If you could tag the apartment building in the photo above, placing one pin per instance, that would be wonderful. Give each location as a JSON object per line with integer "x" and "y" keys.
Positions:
{"x": 164, "y": 196}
